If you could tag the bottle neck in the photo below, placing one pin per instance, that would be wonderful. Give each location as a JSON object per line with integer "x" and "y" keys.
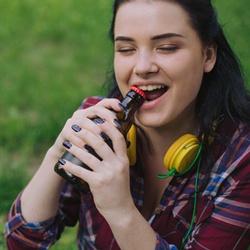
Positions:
{"x": 130, "y": 104}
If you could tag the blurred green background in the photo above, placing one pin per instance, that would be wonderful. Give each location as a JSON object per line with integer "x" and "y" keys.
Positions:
{"x": 53, "y": 53}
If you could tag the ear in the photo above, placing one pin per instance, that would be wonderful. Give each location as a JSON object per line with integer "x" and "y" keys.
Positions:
{"x": 210, "y": 53}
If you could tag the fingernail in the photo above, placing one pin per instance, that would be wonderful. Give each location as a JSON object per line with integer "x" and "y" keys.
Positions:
{"x": 106, "y": 139}
{"x": 88, "y": 148}
{"x": 104, "y": 136}
{"x": 98, "y": 120}
{"x": 61, "y": 161}
{"x": 117, "y": 123}
{"x": 121, "y": 106}
{"x": 92, "y": 151}
{"x": 67, "y": 144}
{"x": 76, "y": 128}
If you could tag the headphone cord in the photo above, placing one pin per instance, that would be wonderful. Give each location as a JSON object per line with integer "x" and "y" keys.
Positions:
{"x": 195, "y": 205}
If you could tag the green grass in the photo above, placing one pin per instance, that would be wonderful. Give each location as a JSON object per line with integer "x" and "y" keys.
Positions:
{"x": 53, "y": 54}
{"x": 234, "y": 17}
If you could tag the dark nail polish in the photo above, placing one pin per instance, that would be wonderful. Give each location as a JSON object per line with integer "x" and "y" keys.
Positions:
{"x": 98, "y": 120}
{"x": 67, "y": 144}
{"x": 61, "y": 161}
{"x": 106, "y": 139}
{"x": 88, "y": 148}
{"x": 121, "y": 106}
{"x": 104, "y": 136}
{"x": 76, "y": 128}
{"x": 92, "y": 151}
{"x": 117, "y": 123}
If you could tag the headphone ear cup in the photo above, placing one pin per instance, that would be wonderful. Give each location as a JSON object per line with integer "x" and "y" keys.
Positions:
{"x": 182, "y": 153}
{"x": 131, "y": 142}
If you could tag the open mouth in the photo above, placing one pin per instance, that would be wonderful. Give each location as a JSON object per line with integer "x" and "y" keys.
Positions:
{"x": 153, "y": 91}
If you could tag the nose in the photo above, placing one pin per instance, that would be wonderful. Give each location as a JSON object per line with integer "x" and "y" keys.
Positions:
{"x": 145, "y": 64}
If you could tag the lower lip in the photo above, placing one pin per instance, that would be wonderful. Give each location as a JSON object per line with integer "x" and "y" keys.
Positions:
{"x": 153, "y": 104}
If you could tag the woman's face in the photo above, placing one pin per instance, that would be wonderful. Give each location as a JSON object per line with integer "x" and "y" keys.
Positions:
{"x": 157, "y": 49}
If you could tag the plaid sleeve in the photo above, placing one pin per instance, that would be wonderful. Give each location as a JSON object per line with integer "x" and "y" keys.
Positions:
{"x": 22, "y": 235}
{"x": 41, "y": 235}
{"x": 90, "y": 101}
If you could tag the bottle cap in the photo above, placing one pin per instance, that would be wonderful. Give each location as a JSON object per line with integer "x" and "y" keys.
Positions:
{"x": 138, "y": 91}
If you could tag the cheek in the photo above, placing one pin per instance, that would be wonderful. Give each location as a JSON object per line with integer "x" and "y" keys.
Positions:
{"x": 188, "y": 85}
{"x": 187, "y": 70}
{"x": 122, "y": 75}
{"x": 123, "y": 70}
{"x": 186, "y": 76}
{"x": 118, "y": 68}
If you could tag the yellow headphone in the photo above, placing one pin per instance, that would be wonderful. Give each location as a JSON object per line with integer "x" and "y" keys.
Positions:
{"x": 180, "y": 157}
{"x": 131, "y": 150}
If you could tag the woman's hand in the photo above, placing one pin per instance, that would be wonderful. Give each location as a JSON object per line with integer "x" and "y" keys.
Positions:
{"x": 109, "y": 180}
{"x": 82, "y": 118}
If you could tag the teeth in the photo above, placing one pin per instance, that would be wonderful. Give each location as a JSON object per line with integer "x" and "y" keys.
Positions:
{"x": 151, "y": 87}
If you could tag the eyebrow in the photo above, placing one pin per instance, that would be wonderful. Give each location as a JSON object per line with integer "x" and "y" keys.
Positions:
{"x": 157, "y": 37}
{"x": 166, "y": 35}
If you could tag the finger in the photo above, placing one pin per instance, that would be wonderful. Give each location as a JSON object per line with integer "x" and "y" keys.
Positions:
{"x": 80, "y": 131}
{"x": 95, "y": 147}
{"x": 78, "y": 171}
{"x": 78, "y": 137}
{"x": 104, "y": 109}
{"x": 109, "y": 103}
{"x": 86, "y": 156}
{"x": 113, "y": 134}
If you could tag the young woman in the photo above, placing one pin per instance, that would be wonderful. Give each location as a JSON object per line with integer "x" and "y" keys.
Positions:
{"x": 176, "y": 52}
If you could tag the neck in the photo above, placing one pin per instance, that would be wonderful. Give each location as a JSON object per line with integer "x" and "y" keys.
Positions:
{"x": 159, "y": 139}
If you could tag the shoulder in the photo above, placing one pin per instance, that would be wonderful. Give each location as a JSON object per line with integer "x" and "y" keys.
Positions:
{"x": 236, "y": 157}
{"x": 230, "y": 150}
{"x": 240, "y": 142}
{"x": 230, "y": 173}
{"x": 232, "y": 137}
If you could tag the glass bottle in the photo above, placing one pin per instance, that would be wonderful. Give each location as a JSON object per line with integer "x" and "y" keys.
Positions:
{"x": 133, "y": 100}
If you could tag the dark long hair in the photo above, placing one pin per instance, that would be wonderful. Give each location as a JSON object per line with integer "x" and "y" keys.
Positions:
{"x": 222, "y": 91}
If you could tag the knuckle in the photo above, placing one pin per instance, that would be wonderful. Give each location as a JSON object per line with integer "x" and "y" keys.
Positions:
{"x": 120, "y": 168}
{"x": 100, "y": 144}
{"x": 78, "y": 112}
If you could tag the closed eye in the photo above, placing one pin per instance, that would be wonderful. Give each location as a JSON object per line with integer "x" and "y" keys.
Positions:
{"x": 168, "y": 49}
{"x": 125, "y": 50}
